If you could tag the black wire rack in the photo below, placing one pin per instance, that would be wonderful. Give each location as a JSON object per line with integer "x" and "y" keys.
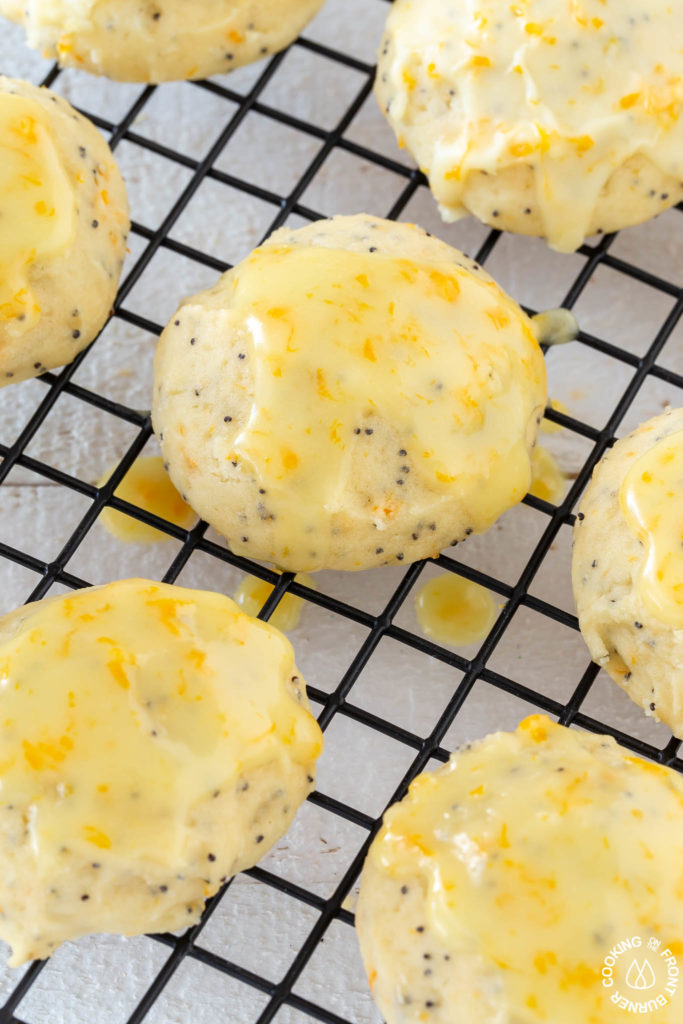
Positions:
{"x": 277, "y": 989}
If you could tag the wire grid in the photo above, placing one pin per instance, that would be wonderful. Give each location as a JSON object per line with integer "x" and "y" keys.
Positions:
{"x": 279, "y": 993}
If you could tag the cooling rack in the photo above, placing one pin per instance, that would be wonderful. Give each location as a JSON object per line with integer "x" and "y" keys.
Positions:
{"x": 212, "y": 168}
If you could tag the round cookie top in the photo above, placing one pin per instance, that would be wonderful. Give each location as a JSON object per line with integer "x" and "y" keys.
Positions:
{"x": 535, "y": 854}
{"x": 349, "y": 378}
{"x": 159, "y": 40}
{"x": 627, "y": 569}
{"x": 571, "y": 88}
{"x": 63, "y": 230}
{"x": 128, "y": 711}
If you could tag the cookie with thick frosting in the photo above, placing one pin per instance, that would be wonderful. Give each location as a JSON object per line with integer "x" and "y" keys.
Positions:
{"x": 354, "y": 393}
{"x": 155, "y": 741}
{"x": 63, "y": 229}
{"x": 559, "y": 118}
{"x": 627, "y": 566}
{"x": 520, "y": 881}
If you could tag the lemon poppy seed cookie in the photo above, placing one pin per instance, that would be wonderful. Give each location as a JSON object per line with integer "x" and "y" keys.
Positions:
{"x": 159, "y": 40}
{"x": 518, "y": 882}
{"x": 558, "y": 118}
{"x": 354, "y": 393}
{"x": 63, "y": 230}
{"x": 627, "y": 566}
{"x": 155, "y": 741}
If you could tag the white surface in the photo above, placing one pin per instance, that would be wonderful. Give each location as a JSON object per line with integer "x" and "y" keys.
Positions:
{"x": 99, "y": 980}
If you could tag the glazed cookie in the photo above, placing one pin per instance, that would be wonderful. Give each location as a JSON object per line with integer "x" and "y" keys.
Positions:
{"x": 354, "y": 393}
{"x": 63, "y": 230}
{"x": 519, "y": 881}
{"x": 155, "y": 742}
{"x": 159, "y": 40}
{"x": 627, "y": 566}
{"x": 556, "y": 118}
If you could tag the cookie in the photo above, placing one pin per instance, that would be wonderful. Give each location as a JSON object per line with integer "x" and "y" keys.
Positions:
{"x": 627, "y": 566}
{"x": 354, "y": 393}
{"x": 520, "y": 881}
{"x": 159, "y": 40}
{"x": 545, "y": 117}
{"x": 63, "y": 229}
{"x": 155, "y": 741}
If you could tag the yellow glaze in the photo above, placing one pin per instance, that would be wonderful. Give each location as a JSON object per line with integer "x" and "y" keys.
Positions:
{"x": 441, "y": 354}
{"x": 573, "y": 88}
{"x": 651, "y": 499}
{"x": 37, "y": 206}
{"x": 541, "y": 850}
{"x": 123, "y": 706}
{"x": 454, "y": 610}
{"x": 547, "y": 480}
{"x": 147, "y": 485}
{"x": 555, "y": 326}
{"x": 252, "y": 594}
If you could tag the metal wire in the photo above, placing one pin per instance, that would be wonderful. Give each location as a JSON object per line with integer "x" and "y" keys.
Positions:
{"x": 338, "y": 702}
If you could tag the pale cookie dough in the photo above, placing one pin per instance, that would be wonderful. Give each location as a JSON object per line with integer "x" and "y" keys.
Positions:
{"x": 63, "y": 229}
{"x": 354, "y": 393}
{"x": 499, "y": 889}
{"x": 627, "y": 566}
{"x": 155, "y": 741}
{"x": 159, "y": 40}
{"x": 559, "y": 118}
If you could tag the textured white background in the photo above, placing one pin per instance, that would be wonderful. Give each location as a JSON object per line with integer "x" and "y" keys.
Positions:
{"x": 99, "y": 980}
